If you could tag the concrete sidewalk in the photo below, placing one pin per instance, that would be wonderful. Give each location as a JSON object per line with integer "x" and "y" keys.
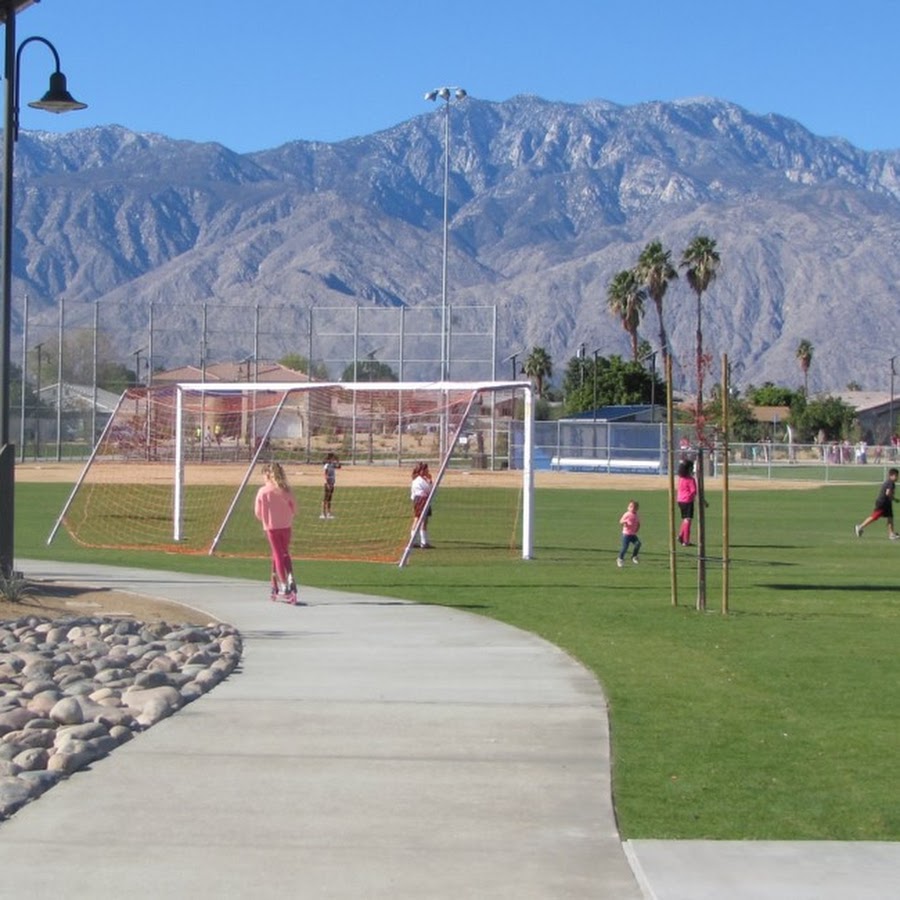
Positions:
{"x": 371, "y": 748}
{"x": 366, "y": 748}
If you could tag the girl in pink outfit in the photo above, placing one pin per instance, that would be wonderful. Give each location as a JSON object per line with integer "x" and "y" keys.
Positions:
{"x": 275, "y": 508}
{"x": 631, "y": 525}
{"x": 687, "y": 493}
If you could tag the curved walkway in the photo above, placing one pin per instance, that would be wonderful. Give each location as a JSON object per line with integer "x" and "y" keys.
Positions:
{"x": 365, "y": 748}
{"x": 373, "y": 748}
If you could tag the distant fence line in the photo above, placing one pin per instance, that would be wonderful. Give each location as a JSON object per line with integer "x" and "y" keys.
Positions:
{"x": 170, "y": 336}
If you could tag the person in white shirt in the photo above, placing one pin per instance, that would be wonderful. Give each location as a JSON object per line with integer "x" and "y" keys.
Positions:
{"x": 419, "y": 492}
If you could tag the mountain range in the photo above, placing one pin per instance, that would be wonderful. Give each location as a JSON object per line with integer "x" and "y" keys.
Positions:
{"x": 547, "y": 201}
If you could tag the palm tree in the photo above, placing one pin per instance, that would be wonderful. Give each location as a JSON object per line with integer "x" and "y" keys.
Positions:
{"x": 654, "y": 270}
{"x": 625, "y": 299}
{"x": 700, "y": 261}
{"x": 538, "y": 366}
{"x": 805, "y": 355}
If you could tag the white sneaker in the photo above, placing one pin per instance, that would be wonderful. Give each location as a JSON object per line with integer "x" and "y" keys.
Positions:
{"x": 323, "y": 516}
{"x": 858, "y": 530}
{"x": 635, "y": 560}
{"x": 329, "y": 516}
{"x": 895, "y": 536}
{"x": 620, "y": 562}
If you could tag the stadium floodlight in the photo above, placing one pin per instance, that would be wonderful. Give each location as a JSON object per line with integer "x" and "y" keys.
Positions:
{"x": 445, "y": 94}
{"x": 57, "y": 99}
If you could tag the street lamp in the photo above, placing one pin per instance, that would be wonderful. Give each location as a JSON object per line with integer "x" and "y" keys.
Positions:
{"x": 57, "y": 100}
{"x": 137, "y": 364}
{"x": 446, "y": 94}
{"x": 513, "y": 358}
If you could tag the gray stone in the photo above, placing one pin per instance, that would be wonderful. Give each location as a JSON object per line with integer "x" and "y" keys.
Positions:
{"x": 67, "y": 712}
{"x": 33, "y": 758}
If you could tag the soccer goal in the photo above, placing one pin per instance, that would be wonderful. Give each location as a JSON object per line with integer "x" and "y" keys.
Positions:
{"x": 177, "y": 469}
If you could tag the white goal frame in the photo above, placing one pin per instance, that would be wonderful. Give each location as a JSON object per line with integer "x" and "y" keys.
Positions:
{"x": 448, "y": 442}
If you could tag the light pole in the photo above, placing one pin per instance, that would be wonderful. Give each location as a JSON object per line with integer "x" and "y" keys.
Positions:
{"x": 596, "y": 354}
{"x": 652, "y": 357}
{"x": 58, "y": 100}
{"x": 891, "y": 413}
{"x": 446, "y": 94}
{"x": 137, "y": 365}
{"x": 37, "y": 408}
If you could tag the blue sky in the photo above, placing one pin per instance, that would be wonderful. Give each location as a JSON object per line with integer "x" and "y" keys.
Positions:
{"x": 254, "y": 75}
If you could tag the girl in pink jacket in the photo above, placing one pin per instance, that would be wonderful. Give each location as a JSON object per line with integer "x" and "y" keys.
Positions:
{"x": 275, "y": 508}
{"x": 687, "y": 492}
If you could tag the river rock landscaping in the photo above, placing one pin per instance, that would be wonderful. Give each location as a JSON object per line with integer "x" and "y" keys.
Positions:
{"x": 73, "y": 689}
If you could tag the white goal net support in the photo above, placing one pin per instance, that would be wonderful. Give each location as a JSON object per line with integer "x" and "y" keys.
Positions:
{"x": 177, "y": 469}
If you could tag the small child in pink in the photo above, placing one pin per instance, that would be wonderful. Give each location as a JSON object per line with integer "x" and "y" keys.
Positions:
{"x": 631, "y": 525}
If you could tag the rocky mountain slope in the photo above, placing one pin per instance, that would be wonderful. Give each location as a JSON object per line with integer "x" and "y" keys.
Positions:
{"x": 547, "y": 202}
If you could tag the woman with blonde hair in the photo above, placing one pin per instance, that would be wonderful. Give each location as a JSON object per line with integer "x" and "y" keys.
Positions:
{"x": 275, "y": 507}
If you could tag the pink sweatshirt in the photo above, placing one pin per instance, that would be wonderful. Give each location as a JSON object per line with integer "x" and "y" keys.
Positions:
{"x": 630, "y": 523}
{"x": 274, "y": 507}
{"x": 687, "y": 489}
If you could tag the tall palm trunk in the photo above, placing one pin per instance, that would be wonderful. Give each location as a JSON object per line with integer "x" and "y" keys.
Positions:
{"x": 701, "y": 462}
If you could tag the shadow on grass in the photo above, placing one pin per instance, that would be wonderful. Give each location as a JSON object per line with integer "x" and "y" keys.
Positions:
{"x": 872, "y": 588}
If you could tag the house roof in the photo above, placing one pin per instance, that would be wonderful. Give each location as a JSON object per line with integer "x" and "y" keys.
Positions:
{"x": 865, "y": 400}
{"x": 231, "y": 373}
{"x": 770, "y": 414}
{"x": 80, "y": 397}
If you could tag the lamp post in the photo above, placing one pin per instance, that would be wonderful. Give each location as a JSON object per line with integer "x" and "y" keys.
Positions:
{"x": 37, "y": 408}
{"x": 513, "y": 358}
{"x": 446, "y": 94}
{"x": 137, "y": 364}
{"x": 891, "y": 413}
{"x": 57, "y": 100}
{"x": 652, "y": 357}
{"x": 596, "y": 354}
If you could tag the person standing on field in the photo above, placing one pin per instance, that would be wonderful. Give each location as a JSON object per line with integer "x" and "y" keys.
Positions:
{"x": 419, "y": 492}
{"x": 687, "y": 494}
{"x": 884, "y": 507}
{"x": 275, "y": 507}
{"x": 329, "y": 472}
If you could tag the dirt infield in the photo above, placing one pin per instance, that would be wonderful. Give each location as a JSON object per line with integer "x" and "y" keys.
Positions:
{"x": 127, "y": 472}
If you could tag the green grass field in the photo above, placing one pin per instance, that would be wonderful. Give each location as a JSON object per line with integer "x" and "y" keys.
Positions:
{"x": 776, "y": 721}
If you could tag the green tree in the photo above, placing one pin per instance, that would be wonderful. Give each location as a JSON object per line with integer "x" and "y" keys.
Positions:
{"x": 742, "y": 425}
{"x": 701, "y": 262}
{"x": 770, "y": 394}
{"x": 115, "y": 377}
{"x": 830, "y": 415}
{"x": 538, "y": 366}
{"x": 654, "y": 270}
{"x": 300, "y": 363}
{"x": 608, "y": 382}
{"x": 368, "y": 370}
{"x": 804, "y": 357}
{"x": 625, "y": 300}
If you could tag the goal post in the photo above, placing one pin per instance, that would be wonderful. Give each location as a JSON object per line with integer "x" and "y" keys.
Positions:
{"x": 179, "y": 465}
{"x": 399, "y": 408}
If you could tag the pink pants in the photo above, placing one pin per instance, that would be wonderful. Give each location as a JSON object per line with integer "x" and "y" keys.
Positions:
{"x": 280, "y": 542}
